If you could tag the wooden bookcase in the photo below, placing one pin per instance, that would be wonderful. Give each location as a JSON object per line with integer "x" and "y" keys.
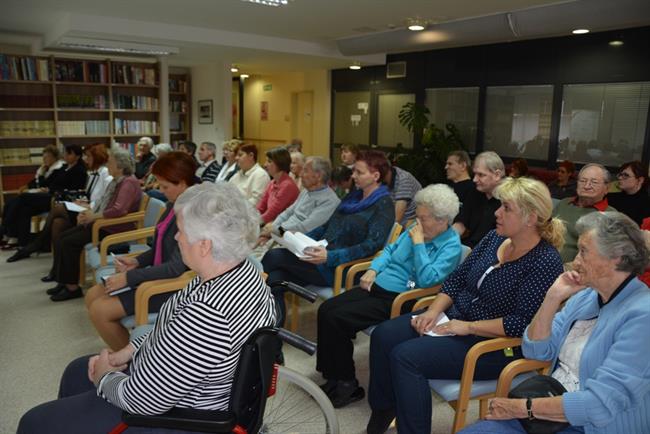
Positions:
{"x": 180, "y": 102}
{"x": 60, "y": 101}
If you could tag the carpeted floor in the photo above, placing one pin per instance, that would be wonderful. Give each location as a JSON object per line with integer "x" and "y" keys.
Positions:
{"x": 38, "y": 338}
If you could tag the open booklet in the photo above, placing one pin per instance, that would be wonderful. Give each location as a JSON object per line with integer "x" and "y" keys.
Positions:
{"x": 296, "y": 242}
{"x": 71, "y": 206}
{"x": 117, "y": 291}
{"x": 443, "y": 319}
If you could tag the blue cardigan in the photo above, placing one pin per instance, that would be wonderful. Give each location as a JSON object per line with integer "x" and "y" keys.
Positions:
{"x": 614, "y": 395}
{"x": 427, "y": 264}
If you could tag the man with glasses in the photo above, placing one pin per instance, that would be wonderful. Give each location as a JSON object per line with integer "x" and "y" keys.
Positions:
{"x": 593, "y": 184}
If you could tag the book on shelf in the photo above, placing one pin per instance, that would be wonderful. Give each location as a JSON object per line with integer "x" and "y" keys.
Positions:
{"x": 95, "y": 72}
{"x": 177, "y": 85}
{"x": 24, "y": 68}
{"x": 36, "y": 155}
{"x": 135, "y": 102}
{"x": 26, "y": 128}
{"x": 82, "y": 101}
{"x": 128, "y": 126}
{"x": 21, "y": 156}
{"x": 130, "y": 74}
{"x": 69, "y": 70}
{"x": 178, "y": 106}
{"x": 131, "y": 147}
{"x": 81, "y": 128}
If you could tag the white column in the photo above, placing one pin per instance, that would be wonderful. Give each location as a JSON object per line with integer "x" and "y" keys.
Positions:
{"x": 164, "y": 100}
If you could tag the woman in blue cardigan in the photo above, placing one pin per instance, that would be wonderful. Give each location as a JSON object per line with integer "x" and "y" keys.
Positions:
{"x": 358, "y": 228}
{"x": 598, "y": 343}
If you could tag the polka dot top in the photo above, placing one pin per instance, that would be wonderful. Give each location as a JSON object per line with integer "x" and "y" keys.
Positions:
{"x": 513, "y": 291}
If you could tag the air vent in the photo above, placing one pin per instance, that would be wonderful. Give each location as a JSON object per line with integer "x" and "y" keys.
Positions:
{"x": 396, "y": 69}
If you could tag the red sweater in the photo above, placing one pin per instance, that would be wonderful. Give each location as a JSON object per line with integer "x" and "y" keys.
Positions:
{"x": 277, "y": 197}
{"x": 645, "y": 277}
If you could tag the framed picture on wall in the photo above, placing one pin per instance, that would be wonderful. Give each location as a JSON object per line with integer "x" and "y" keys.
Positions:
{"x": 205, "y": 111}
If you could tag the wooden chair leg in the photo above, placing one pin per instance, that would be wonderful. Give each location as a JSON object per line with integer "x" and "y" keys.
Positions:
{"x": 482, "y": 408}
{"x": 459, "y": 417}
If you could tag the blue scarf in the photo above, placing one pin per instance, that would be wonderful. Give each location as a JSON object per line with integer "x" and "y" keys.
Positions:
{"x": 354, "y": 201}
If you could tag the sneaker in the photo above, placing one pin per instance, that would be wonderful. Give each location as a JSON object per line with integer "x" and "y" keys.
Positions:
{"x": 66, "y": 294}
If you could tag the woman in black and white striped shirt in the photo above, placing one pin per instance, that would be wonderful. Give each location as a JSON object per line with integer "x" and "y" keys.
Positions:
{"x": 189, "y": 358}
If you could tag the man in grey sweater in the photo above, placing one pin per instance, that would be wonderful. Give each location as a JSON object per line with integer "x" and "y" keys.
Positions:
{"x": 313, "y": 207}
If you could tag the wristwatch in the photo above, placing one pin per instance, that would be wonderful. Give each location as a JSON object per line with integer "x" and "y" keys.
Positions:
{"x": 529, "y": 408}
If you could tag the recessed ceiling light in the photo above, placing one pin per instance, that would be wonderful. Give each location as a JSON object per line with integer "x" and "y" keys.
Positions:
{"x": 355, "y": 66}
{"x": 415, "y": 24}
{"x": 243, "y": 75}
{"x": 269, "y": 2}
{"x": 234, "y": 69}
{"x": 416, "y": 27}
{"x": 616, "y": 43}
{"x": 580, "y": 31}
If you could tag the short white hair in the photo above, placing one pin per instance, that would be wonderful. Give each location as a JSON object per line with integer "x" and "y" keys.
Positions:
{"x": 218, "y": 212}
{"x": 440, "y": 200}
{"x": 161, "y": 149}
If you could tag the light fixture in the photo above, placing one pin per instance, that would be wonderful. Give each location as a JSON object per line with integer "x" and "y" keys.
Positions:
{"x": 244, "y": 76}
{"x": 107, "y": 46}
{"x": 355, "y": 66}
{"x": 416, "y": 24}
{"x": 274, "y": 3}
{"x": 234, "y": 69}
{"x": 580, "y": 31}
{"x": 616, "y": 43}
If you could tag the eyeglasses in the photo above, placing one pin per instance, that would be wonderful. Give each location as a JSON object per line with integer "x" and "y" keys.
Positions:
{"x": 593, "y": 182}
{"x": 623, "y": 175}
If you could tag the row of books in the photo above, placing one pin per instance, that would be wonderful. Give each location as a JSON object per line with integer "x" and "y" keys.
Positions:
{"x": 131, "y": 147}
{"x": 21, "y": 156}
{"x": 127, "y": 74}
{"x": 178, "y": 106}
{"x": 131, "y": 102}
{"x": 176, "y": 85}
{"x": 128, "y": 126}
{"x": 26, "y": 128}
{"x": 24, "y": 68}
{"x": 81, "y": 128}
{"x": 82, "y": 101}
{"x": 89, "y": 72}
{"x": 25, "y": 101}
{"x": 176, "y": 122}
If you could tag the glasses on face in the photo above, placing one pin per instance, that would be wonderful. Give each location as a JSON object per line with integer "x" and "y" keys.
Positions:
{"x": 623, "y": 175}
{"x": 593, "y": 182}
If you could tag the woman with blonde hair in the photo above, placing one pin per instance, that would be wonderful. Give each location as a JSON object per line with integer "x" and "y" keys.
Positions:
{"x": 494, "y": 293}
{"x": 229, "y": 167}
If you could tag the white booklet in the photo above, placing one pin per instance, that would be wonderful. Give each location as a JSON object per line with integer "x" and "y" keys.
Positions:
{"x": 117, "y": 291}
{"x": 71, "y": 206}
{"x": 443, "y": 319}
{"x": 297, "y": 242}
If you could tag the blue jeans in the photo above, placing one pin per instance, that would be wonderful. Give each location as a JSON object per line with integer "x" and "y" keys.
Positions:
{"x": 511, "y": 426}
{"x": 401, "y": 362}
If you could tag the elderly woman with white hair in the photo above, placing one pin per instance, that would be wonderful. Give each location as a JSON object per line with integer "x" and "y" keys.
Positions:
{"x": 422, "y": 256}
{"x": 598, "y": 342}
{"x": 177, "y": 364}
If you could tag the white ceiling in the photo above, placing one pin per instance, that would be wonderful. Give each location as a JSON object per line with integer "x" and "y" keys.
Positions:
{"x": 305, "y": 34}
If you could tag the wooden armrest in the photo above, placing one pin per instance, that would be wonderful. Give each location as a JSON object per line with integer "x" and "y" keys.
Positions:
{"x": 122, "y": 237}
{"x": 146, "y": 290}
{"x": 103, "y": 222}
{"x": 338, "y": 274}
{"x": 518, "y": 367}
{"x": 412, "y": 295}
{"x": 423, "y": 302}
{"x": 354, "y": 270}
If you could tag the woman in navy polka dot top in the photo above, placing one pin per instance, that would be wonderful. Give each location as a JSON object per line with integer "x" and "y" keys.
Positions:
{"x": 495, "y": 292}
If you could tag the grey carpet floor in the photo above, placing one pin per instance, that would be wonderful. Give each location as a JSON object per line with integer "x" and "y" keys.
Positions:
{"x": 38, "y": 338}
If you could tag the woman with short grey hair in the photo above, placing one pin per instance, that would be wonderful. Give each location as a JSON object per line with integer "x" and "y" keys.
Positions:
{"x": 123, "y": 160}
{"x": 598, "y": 342}
{"x": 423, "y": 256}
{"x": 188, "y": 359}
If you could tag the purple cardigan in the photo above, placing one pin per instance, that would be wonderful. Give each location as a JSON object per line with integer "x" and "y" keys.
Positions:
{"x": 126, "y": 199}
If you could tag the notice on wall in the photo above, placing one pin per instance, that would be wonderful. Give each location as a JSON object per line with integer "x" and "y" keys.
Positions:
{"x": 264, "y": 111}
{"x": 363, "y": 106}
{"x": 355, "y": 119}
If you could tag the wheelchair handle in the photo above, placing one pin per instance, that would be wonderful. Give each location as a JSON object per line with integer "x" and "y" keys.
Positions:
{"x": 297, "y": 341}
{"x": 301, "y": 291}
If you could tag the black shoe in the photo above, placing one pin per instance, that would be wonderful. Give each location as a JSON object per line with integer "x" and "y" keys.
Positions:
{"x": 56, "y": 289}
{"x": 66, "y": 294}
{"x": 20, "y": 254}
{"x": 342, "y": 399}
{"x": 380, "y": 421}
{"x": 48, "y": 278}
{"x": 329, "y": 387}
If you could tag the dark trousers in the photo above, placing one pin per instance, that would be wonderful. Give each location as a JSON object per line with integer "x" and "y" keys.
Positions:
{"x": 78, "y": 409}
{"x": 67, "y": 250}
{"x": 339, "y": 320}
{"x": 281, "y": 264}
{"x": 18, "y": 213}
{"x": 401, "y": 362}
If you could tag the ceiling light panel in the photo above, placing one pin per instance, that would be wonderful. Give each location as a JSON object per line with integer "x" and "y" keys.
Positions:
{"x": 274, "y": 3}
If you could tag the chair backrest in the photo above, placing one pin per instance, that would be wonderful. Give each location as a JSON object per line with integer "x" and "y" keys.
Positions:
{"x": 466, "y": 250}
{"x": 253, "y": 378}
{"x": 394, "y": 233}
{"x": 144, "y": 202}
{"x": 152, "y": 213}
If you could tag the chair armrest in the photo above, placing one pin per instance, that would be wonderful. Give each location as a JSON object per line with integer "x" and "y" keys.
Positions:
{"x": 122, "y": 237}
{"x": 518, "y": 367}
{"x": 146, "y": 290}
{"x": 412, "y": 295}
{"x": 338, "y": 274}
{"x": 423, "y": 302}
{"x": 103, "y": 222}
{"x": 353, "y": 271}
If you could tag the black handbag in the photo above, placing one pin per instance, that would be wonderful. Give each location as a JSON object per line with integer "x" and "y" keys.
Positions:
{"x": 539, "y": 386}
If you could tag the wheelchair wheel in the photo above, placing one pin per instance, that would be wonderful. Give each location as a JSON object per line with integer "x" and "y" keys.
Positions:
{"x": 298, "y": 406}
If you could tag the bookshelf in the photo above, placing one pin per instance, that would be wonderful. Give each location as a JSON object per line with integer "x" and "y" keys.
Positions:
{"x": 53, "y": 100}
{"x": 180, "y": 124}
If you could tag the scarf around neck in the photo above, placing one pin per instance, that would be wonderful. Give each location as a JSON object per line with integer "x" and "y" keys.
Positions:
{"x": 354, "y": 201}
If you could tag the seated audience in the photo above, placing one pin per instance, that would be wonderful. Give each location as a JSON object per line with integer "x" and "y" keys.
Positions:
{"x": 633, "y": 199}
{"x": 477, "y": 215}
{"x": 251, "y": 179}
{"x": 159, "y": 371}
{"x": 457, "y": 169}
{"x": 122, "y": 196}
{"x": 18, "y": 212}
{"x": 175, "y": 173}
{"x": 423, "y": 256}
{"x": 598, "y": 342}
{"x": 518, "y": 168}
{"x": 342, "y": 181}
{"x": 494, "y": 292}
{"x": 295, "y": 146}
{"x": 349, "y": 155}
{"x": 593, "y": 183}
{"x": 189, "y": 148}
{"x": 229, "y": 167}
{"x": 358, "y": 228}
{"x": 59, "y": 218}
{"x": 149, "y": 182}
{"x": 297, "y": 163}
{"x": 145, "y": 157}
{"x": 209, "y": 168}
{"x": 565, "y": 186}
{"x": 281, "y": 192}
{"x": 402, "y": 186}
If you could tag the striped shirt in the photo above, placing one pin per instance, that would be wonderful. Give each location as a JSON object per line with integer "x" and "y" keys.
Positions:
{"x": 403, "y": 187}
{"x": 189, "y": 358}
